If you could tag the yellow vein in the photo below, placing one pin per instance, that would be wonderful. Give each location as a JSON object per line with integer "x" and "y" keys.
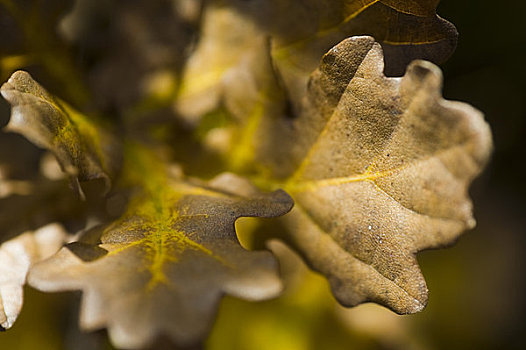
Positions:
{"x": 312, "y": 185}
{"x": 282, "y": 51}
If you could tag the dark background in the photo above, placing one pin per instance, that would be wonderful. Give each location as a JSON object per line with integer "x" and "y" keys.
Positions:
{"x": 478, "y": 286}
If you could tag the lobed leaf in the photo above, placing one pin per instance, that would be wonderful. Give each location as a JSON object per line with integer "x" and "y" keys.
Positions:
{"x": 379, "y": 167}
{"x": 300, "y": 33}
{"x": 379, "y": 170}
{"x": 164, "y": 264}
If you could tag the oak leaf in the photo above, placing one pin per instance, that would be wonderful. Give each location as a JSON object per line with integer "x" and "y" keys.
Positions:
{"x": 164, "y": 264}
{"x": 379, "y": 167}
{"x": 379, "y": 170}
{"x": 85, "y": 150}
{"x": 300, "y": 33}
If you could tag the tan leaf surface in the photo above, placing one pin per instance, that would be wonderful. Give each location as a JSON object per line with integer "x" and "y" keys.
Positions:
{"x": 300, "y": 33}
{"x": 16, "y": 256}
{"x": 379, "y": 169}
{"x": 84, "y": 150}
{"x": 164, "y": 264}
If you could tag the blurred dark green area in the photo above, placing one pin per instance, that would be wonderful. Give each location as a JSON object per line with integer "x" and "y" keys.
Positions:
{"x": 477, "y": 287}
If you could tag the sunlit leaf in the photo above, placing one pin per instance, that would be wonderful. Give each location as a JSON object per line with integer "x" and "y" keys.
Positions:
{"x": 300, "y": 33}
{"x": 230, "y": 45}
{"x": 164, "y": 264}
{"x": 379, "y": 169}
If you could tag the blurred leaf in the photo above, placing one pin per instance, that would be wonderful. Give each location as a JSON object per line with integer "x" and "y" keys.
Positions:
{"x": 379, "y": 167}
{"x": 230, "y": 45}
{"x": 84, "y": 150}
{"x": 42, "y": 202}
{"x": 29, "y": 28}
{"x": 300, "y": 33}
{"x": 16, "y": 256}
{"x": 130, "y": 43}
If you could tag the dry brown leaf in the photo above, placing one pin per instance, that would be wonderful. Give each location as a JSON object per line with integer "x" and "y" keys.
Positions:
{"x": 300, "y": 33}
{"x": 379, "y": 169}
{"x": 230, "y": 48}
{"x": 164, "y": 264}
{"x": 84, "y": 150}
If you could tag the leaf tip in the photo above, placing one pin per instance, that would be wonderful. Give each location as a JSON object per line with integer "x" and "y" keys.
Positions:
{"x": 19, "y": 80}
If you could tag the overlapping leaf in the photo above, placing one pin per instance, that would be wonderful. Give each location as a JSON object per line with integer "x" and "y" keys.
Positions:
{"x": 163, "y": 266}
{"x": 173, "y": 248}
{"x": 379, "y": 170}
{"x": 85, "y": 150}
{"x": 300, "y": 33}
